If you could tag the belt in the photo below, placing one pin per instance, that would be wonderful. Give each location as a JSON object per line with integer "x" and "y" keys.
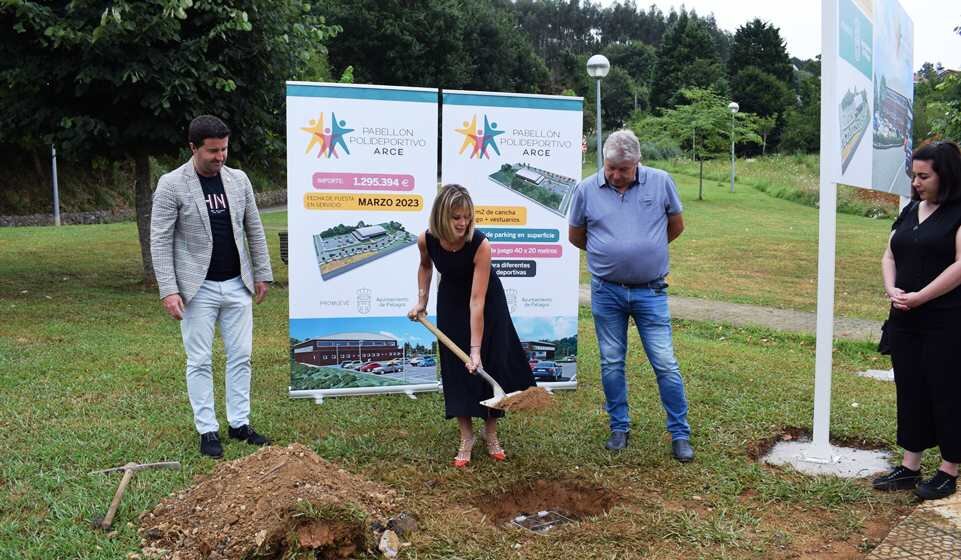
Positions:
{"x": 657, "y": 283}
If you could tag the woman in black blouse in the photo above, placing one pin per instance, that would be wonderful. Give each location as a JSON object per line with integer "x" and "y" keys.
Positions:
{"x": 922, "y": 274}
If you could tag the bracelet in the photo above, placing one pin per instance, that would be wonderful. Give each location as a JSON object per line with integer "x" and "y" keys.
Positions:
{"x": 478, "y": 346}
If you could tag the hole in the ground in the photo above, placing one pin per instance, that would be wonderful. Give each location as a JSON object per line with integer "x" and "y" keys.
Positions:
{"x": 569, "y": 499}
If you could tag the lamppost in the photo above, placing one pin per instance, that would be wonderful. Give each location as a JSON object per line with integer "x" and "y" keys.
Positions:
{"x": 597, "y": 67}
{"x": 733, "y": 106}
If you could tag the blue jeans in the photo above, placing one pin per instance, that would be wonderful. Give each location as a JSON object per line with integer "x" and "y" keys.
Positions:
{"x": 611, "y": 305}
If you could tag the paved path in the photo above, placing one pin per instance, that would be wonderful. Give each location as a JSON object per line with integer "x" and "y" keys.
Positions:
{"x": 746, "y": 315}
{"x": 931, "y": 532}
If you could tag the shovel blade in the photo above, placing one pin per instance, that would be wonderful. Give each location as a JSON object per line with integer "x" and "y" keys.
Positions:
{"x": 496, "y": 400}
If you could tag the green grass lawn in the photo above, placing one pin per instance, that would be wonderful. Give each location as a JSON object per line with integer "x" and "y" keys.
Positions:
{"x": 91, "y": 376}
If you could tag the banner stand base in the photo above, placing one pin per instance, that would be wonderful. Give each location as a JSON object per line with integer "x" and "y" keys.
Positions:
{"x": 318, "y": 395}
{"x": 843, "y": 462}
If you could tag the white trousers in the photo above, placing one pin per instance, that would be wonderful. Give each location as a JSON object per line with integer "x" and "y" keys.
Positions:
{"x": 230, "y": 305}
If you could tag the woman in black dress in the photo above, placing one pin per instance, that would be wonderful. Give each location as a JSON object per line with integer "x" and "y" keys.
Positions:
{"x": 471, "y": 311}
{"x": 922, "y": 275}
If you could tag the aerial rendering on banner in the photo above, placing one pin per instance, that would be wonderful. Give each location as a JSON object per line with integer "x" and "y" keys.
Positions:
{"x": 343, "y": 248}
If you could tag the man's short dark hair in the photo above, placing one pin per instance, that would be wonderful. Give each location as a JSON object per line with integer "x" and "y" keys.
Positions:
{"x": 945, "y": 158}
{"x": 206, "y": 126}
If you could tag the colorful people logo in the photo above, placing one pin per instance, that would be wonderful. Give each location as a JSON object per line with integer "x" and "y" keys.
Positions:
{"x": 479, "y": 140}
{"x": 327, "y": 138}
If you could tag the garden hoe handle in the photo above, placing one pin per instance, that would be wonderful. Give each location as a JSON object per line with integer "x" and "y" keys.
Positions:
{"x": 498, "y": 391}
{"x": 128, "y": 471}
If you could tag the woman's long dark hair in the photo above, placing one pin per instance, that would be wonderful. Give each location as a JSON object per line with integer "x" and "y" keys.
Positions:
{"x": 945, "y": 158}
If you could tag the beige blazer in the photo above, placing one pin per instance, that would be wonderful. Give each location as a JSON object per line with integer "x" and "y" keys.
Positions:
{"x": 181, "y": 241}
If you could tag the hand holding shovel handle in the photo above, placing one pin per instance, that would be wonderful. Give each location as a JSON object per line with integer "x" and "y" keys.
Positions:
{"x": 498, "y": 391}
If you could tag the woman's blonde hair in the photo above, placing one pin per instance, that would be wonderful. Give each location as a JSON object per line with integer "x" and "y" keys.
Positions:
{"x": 450, "y": 198}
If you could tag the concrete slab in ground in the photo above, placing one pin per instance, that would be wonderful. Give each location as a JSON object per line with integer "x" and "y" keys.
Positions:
{"x": 932, "y": 531}
{"x": 881, "y": 374}
{"x": 844, "y": 462}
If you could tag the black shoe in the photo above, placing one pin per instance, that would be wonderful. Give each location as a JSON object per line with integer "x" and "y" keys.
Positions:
{"x": 246, "y": 433}
{"x": 617, "y": 441}
{"x": 941, "y": 485}
{"x": 682, "y": 450}
{"x": 210, "y": 445}
{"x": 900, "y": 478}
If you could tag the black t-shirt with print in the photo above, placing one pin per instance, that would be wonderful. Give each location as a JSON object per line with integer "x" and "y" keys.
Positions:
{"x": 224, "y": 261}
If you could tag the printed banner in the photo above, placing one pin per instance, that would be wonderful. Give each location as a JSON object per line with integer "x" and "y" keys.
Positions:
{"x": 520, "y": 158}
{"x": 361, "y": 176}
{"x": 872, "y": 96}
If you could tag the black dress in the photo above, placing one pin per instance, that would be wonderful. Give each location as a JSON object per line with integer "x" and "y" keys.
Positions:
{"x": 926, "y": 341}
{"x": 502, "y": 355}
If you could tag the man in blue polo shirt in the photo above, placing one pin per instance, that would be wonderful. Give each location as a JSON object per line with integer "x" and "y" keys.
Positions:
{"x": 624, "y": 217}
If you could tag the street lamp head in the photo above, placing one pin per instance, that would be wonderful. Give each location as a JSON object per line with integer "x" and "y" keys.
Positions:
{"x": 733, "y": 106}
{"x": 598, "y": 66}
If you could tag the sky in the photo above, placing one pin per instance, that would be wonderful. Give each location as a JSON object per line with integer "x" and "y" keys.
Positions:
{"x": 800, "y": 23}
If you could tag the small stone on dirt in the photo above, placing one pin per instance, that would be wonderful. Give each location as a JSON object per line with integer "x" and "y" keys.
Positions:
{"x": 403, "y": 524}
{"x": 389, "y": 544}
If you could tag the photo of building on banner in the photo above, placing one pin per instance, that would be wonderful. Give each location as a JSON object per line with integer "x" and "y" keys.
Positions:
{"x": 520, "y": 158}
{"x": 361, "y": 177}
{"x": 874, "y": 94}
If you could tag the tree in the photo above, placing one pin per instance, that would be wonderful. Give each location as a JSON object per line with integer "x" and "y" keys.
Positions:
{"x": 944, "y": 111}
{"x": 617, "y": 99}
{"x": 759, "y": 44}
{"x": 761, "y": 93}
{"x": 124, "y": 81}
{"x": 637, "y": 59}
{"x": 445, "y": 43}
{"x": 802, "y": 123}
{"x": 764, "y": 127}
{"x": 686, "y": 58}
{"x": 756, "y": 91}
{"x": 944, "y": 114}
{"x": 762, "y": 75}
{"x": 701, "y": 121}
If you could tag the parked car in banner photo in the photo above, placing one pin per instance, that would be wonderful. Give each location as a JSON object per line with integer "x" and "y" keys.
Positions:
{"x": 547, "y": 371}
{"x": 392, "y": 366}
{"x": 426, "y": 361}
{"x": 369, "y": 367}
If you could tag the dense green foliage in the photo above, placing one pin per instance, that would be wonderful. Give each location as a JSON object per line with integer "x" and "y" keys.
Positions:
{"x": 685, "y": 58}
{"x": 435, "y": 43}
{"x": 113, "y": 83}
{"x": 701, "y": 123}
{"x": 125, "y": 80}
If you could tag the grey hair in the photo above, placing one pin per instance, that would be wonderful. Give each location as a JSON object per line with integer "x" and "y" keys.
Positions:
{"x": 622, "y": 146}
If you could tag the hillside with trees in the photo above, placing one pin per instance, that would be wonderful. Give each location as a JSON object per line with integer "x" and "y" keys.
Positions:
{"x": 114, "y": 86}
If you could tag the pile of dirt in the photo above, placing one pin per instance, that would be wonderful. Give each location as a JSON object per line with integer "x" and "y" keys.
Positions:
{"x": 266, "y": 504}
{"x": 531, "y": 399}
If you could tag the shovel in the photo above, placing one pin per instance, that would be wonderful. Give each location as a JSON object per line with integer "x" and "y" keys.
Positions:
{"x": 500, "y": 398}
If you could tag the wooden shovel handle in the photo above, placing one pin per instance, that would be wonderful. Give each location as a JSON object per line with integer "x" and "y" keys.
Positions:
{"x": 444, "y": 339}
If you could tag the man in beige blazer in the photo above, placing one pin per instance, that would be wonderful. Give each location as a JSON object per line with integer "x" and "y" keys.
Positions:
{"x": 210, "y": 258}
